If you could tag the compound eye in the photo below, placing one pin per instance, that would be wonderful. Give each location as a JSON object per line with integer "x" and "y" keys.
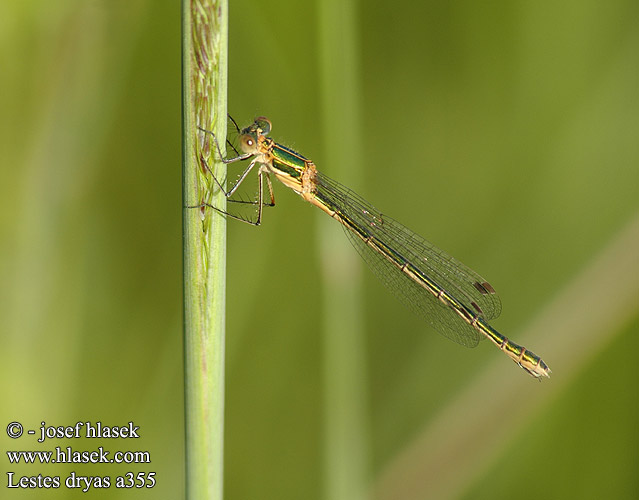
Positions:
{"x": 248, "y": 143}
{"x": 264, "y": 124}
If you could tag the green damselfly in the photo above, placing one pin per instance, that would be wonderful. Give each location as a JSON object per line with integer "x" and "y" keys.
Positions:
{"x": 455, "y": 300}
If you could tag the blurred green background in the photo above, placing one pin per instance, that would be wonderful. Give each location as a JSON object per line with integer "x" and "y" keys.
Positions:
{"x": 504, "y": 132}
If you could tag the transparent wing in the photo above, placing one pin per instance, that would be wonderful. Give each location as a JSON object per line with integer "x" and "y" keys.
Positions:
{"x": 459, "y": 281}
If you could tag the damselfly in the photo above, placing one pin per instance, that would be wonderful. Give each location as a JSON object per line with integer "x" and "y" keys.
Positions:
{"x": 451, "y": 297}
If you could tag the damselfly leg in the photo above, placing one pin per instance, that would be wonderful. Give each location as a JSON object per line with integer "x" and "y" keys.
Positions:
{"x": 262, "y": 173}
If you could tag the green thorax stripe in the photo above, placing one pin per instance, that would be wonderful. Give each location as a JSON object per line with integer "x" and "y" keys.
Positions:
{"x": 287, "y": 156}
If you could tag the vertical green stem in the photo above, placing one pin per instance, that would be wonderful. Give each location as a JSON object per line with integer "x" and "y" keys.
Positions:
{"x": 204, "y": 67}
{"x": 346, "y": 426}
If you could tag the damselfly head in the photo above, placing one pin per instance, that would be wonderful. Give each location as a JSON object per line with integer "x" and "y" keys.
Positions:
{"x": 249, "y": 139}
{"x": 262, "y": 125}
